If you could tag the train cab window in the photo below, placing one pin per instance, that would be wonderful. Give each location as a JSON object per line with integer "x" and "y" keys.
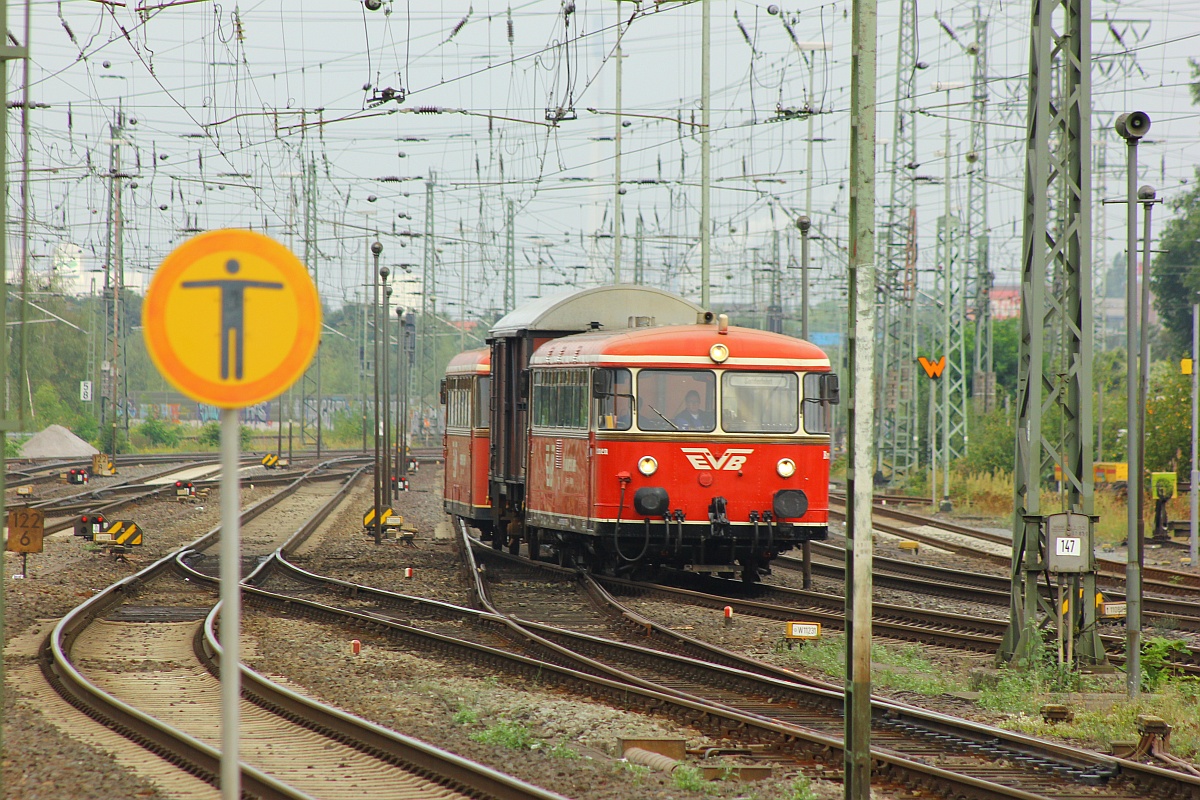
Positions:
{"x": 613, "y": 391}
{"x": 677, "y": 400}
{"x": 483, "y": 402}
{"x": 820, "y": 396}
{"x": 760, "y": 402}
{"x": 560, "y": 398}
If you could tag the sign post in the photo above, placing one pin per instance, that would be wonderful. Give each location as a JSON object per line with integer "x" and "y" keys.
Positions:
{"x": 231, "y": 318}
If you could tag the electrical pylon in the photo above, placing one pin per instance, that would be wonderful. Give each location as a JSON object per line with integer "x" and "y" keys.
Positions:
{"x": 1056, "y": 297}
{"x": 979, "y": 271}
{"x": 897, "y": 449}
{"x": 427, "y": 348}
{"x": 310, "y": 384}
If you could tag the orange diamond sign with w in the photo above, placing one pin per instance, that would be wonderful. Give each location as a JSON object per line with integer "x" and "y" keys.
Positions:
{"x": 931, "y": 369}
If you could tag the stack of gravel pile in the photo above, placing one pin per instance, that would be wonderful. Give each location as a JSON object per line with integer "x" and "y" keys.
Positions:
{"x": 56, "y": 442}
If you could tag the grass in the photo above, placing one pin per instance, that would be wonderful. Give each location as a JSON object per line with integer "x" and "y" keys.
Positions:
{"x": 508, "y": 734}
{"x": 689, "y": 778}
{"x": 902, "y": 668}
{"x": 802, "y": 789}
{"x": 1177, "y": 701}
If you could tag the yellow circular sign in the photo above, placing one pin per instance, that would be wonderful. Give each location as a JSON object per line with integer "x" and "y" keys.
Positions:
{"x": 231, "y": 318}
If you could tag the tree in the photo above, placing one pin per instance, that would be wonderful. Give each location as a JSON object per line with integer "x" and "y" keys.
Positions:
{"x": 1175, "y": 274}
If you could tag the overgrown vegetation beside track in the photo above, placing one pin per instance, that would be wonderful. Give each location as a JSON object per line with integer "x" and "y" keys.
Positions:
{"x": 1103, "y": 713}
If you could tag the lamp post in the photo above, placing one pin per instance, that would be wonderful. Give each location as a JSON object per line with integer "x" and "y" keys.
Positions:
{"x": 385, "y": 412}
{"x": 376, "y": 250}
{"x": 1132, "y": 127}
{"x": 804, "y": 224}
{"x": 401, "y": 463}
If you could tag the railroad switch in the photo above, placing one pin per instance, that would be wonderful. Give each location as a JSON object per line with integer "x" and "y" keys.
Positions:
{"x": 25, "y": 492}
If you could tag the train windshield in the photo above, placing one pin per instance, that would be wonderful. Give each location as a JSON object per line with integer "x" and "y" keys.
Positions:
{"x": 677, "y": 400}
{"x": 818, "y": 403}
{"x": 760, "y": 402}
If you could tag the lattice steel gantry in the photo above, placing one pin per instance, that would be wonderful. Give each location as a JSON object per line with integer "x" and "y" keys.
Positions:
{"x": 897, "y": 448}
{"x": 1055, "y": 300}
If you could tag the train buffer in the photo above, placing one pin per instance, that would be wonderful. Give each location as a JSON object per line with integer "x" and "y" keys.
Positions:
{"x": 273, "y": 461}
{"x": 114, "y": 537}
{"x": 392, "y": 524}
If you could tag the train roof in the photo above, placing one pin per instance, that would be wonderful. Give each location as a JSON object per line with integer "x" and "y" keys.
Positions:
{"x": 682, "y": 346}
{"x": 471, "y": 362}
{"x": 614, "y": 307}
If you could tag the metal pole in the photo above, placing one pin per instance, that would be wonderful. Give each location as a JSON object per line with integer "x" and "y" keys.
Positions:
{"x": 1146, "y": 197}
{"x": 1133, "y": 437}
{"x": 376, "y": 249}
{"x": 231, "y": 607}
{"x": 705, "y": 147}
{"x": 279, "y": 424}
{"x": 859, "y": 486}
{"x": 804, "y": 224}
{"x": 1194, "y": 479}
{"x": 401, "y": 391}
{"x": 617, "y": 162}
{"x": 7, "y": 53}
{"x": 386, "y": 460}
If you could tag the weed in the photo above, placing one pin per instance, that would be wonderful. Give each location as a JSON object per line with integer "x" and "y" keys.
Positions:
{"x": 562, "y": 750}
{"x": 507, "y": 733}
{"x": 802, "y": 789}
{"x": 466, "y": 716}
{"x": 903, "y": 668}
{"x": 689, "y": 778}
{"x": 637, "y": 770}
{"x": 1157, "y": 664}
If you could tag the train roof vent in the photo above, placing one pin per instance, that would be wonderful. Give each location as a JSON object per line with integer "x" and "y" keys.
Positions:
{"x": 641, "y": 322}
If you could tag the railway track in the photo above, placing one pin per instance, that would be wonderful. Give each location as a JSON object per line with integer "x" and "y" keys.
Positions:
{"x": 972, "y": 586}
{"x": 718, "y": 692}
{"x": 97, "y": 657}
{"x": 1169, "y": 582}
{"x": 912, "y": 742}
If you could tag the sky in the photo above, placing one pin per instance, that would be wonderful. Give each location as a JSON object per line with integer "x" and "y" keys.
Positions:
{"x": 477, "y": 107}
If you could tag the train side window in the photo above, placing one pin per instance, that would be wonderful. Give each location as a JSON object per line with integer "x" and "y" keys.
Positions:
{"x": 613, "y": 391}
{"x": 820, "y": 395}
{"x": 676, "y": 400}
{"x": 560, "y": 398}
{"x": 458, "y": 402}
{"x": 483, "y": 402}
{"x": 760, "y": 402}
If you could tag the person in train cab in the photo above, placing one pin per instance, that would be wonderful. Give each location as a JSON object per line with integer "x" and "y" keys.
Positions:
{"x": 693, "y": 417}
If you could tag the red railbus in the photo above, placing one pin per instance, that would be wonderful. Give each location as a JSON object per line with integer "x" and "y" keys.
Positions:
{"x": 465, "y": 393}
{"x": 659, "y": 436}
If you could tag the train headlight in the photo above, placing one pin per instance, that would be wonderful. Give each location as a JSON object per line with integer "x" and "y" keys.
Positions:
{"x": 718, "y": 353}
{"x": 786, "y": 468}
{"x": 647, "y": 465}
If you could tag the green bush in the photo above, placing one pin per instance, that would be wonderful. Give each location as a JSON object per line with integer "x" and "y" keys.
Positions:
{"x": 161, "y": 433}
{"x": 210, "y": 435}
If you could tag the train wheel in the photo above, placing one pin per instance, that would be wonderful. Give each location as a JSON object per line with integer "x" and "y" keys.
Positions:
{"x": 535, "y": 544}
{"x": 750, "y": 573}
{"x": 565, "y": 558}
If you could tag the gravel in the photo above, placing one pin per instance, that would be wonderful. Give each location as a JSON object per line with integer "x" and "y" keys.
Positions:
{"x": 571, "y": 744}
